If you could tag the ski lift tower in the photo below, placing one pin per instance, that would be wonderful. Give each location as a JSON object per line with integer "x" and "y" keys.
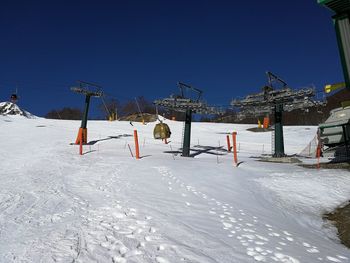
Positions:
{"x": 188, "y": 105}
{"x": 276, "y": 98}
{"x": 83, "y": 88}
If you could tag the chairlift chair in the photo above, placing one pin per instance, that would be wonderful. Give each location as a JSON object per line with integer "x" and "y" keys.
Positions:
{"x": 161, "y": 131}
{"x": 14, "y": 98}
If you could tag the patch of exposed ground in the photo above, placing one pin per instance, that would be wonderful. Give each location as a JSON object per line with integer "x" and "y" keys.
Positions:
{"x": 341, "y": 219}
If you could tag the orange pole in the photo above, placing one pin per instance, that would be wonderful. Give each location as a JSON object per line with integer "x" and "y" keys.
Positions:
{"x": 82, "y": 136}
{"x": 81, "y": 147}
{"x": 228, "y": 143}
{"x": 136, "y": 145}
{"x": 234, "y": 138}
{"x": 79, "y": 137}
{"x": 266, "y": 122}
{"x": 318, "y": 154}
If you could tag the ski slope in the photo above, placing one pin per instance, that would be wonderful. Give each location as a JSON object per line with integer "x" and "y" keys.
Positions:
{"x": 105, "y": 206}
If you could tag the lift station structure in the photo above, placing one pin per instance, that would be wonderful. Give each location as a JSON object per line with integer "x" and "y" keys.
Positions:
{"x": 274, "y": 99}
{"x": 85, "y": 89}
{"x": 341, "y": 21}
{"x": 183, "y": 103}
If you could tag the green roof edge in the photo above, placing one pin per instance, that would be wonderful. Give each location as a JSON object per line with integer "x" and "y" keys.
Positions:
{"x": 323, "y": 2}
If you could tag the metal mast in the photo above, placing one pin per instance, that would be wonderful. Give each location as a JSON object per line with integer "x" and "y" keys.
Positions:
{"x": 188, "y": 105}
{"x": 83, "y": 88}
{"x": 272, "y": 100}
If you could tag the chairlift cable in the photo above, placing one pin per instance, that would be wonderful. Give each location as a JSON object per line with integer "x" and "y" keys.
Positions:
{"x": 157, "y": 113}
{"x": 138, "y": 106}
{"x": 103, "y": 101}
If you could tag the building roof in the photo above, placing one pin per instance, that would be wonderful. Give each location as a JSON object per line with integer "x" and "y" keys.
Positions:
{"x": 338, "y": 6}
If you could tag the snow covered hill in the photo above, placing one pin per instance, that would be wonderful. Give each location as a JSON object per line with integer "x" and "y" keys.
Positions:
{"x": 9, "y": 108}
{"x": 105, "y": 206}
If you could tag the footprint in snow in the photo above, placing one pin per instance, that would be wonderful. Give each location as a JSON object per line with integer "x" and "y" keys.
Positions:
{"x": 139, "y": 222}
{"x": 333, "y": 259}
{"x": 284, "y": 258}
{"x": 342, "y": 257}
{"x": 306, "y": 244}
{"x": 227, "y": 225}
{"x": 161, "y": 260}
{"x": 152, "y": 230}
{"x": 161, "y": 247}
{"x": 313, "y": 250}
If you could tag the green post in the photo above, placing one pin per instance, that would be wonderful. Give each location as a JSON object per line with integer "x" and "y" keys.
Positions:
{"x": 345, "y": 135}
{"x": 86, "y": 110}
{"x": 279, "y": 144}
{"x": 187, "y": 134}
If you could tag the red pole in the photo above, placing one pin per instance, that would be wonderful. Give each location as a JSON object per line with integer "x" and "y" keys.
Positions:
{"x": 165, "y": 141}
{"x": 136, "y": 145}
{"x": 234, "y": 138}
{"x": 81, "y": 147}
{"x": 318, "y": 154}
{"x": 228, "y": 143}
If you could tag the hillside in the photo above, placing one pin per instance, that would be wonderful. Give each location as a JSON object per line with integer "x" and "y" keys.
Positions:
{"x": 9, "y": 108}
{"x": 105, "y": 206}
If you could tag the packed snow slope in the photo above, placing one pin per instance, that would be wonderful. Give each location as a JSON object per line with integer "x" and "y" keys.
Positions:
{"x": 105, "y": 206}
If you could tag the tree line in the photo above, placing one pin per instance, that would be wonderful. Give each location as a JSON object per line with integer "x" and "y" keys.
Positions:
{"x": 140, "y": 105}
{"x": 109, "y": 106}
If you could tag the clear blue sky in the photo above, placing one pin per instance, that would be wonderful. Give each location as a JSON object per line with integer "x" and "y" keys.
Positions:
{"x": 142, "y": 47}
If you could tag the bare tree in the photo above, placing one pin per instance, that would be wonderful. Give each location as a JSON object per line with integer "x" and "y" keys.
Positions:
{"x": 109, "y": 107}
{"x": 65, "y": 113}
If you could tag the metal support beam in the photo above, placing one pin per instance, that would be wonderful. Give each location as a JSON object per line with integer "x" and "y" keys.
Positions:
{"x": 279, "y": 143}
{"x": 275, "y": 101}
{"x": 82, "y": 134}
{"x": 86, "y": 111}
{"x": 187, "y": 134}
{"x": 341, "y": 19}
{"x": 345, "y": 139}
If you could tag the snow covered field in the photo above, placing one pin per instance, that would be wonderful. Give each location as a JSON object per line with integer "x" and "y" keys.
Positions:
{"x": 104, "y": 206}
